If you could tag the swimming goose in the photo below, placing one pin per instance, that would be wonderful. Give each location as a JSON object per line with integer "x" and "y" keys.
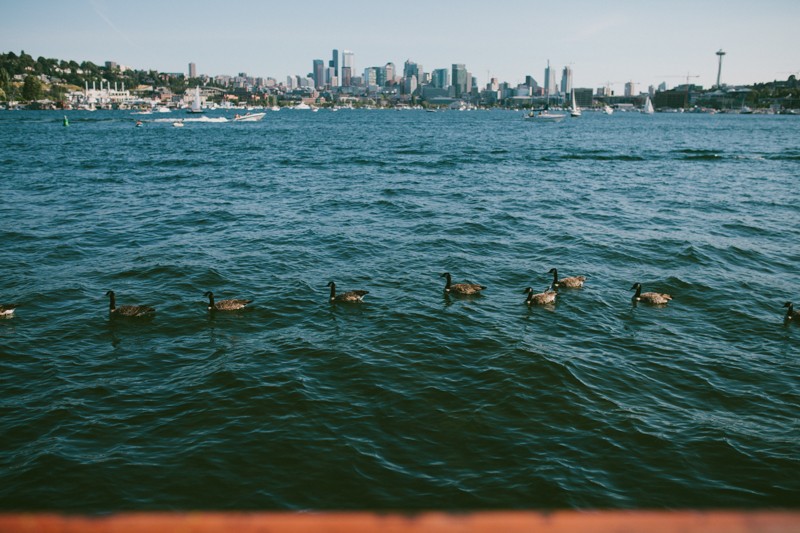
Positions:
{"x": 574, "y": 282}
{"x": 460, "y": 288}
{"x": 7, "y": 309}
{"x": 791, "y": 314}
{"x": 225, "y": 305}
{"x": 127, "y": 310}
{"x": 543, "y": 298}
{"x": 655, "y": 298}
{"x": 347, "y": 297}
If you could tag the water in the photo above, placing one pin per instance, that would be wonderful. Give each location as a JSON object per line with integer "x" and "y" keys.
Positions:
{"x": 411, "y": 400}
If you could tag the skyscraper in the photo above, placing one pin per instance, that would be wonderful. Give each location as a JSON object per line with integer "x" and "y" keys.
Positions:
{"x": 318, "y": 72}
{"x": 630, "y": 88}
{"x": 549, "y": 80}
{"x": 459, "y": 79}
{"x": 334, "y": 62}
{"x": 192, "y": 70}
{"x": 566, "y": 80}
{"x": 389, "y": 72}
{"x": 441, "y": 78}
{"x": 348, "y": 67}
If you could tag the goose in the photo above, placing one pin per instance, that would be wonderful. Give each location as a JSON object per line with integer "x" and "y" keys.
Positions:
{"x": 460, "y": 288}
{"x": 574, "y": 282}
{"x": 225, "y": 305}
{"x": 127, "y": 310}
{"x": 543, "y": 298}
{"x": 7, "y": 310}
{"x": 791, "y": 314}
{"x": 655, "y": 298}
{"x": 347, "y": 297}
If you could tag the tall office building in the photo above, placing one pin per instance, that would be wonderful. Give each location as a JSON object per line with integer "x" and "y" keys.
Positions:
{"x": 459, "y": 79}
{"x": 390, "y": 73}
{"x": 380, "y": 76}
{"x": 440, "y": 78}
{"x": 370, "y": 76}
{"x": 630, "y": 88}
{"x": 192, "y": 70}
{"x": 318, "y": 72}
{"x": 412, "y": 69}
{"x": 348, "y": 67}
{"x": 334, "y": 62}
{"x": 566, "y": 80}
{"x": 549, "y": 81}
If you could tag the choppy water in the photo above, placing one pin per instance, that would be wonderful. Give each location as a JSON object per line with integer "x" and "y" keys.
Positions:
{"x": 411, "y": 400}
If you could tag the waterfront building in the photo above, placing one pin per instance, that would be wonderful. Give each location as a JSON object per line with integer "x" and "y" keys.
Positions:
{"x": 662, "y": 86}
{"x": 192, "y": 70}
{"x": 531, "y": 82}
{"x": 583, "y": 97}
{"x": 459, "y": 79}
{"x": 566, "y": 80}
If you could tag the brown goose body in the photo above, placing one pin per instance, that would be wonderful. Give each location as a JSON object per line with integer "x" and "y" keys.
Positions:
{"x": 7, "y": 310}
{"x": 461, "y": 288}
{"x": 572, "y": 282}
{"x": 350, "y": 297}
{"x": 127, "y": 310}
{"x": 655, "y": 298}
{"x": 542, "y": 298}
{"x": 225, "y": 305}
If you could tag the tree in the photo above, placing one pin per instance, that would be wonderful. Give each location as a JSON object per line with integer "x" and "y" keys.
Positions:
{"x": 31, "y": 88}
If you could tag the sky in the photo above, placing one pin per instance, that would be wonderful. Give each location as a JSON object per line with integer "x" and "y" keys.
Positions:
{"x": 608, "y": 42}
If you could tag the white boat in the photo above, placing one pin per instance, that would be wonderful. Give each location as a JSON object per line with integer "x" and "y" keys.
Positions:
{"x": 648, "y": 107}
{"x": 274, "y": 108}
{"x": 607, "y": 109}
{"x": 302, "y": 106}
{"x": 544, "y": 116}
{"x": 196, "y": 102}
{"x": 249, "y": 117}
{"x": 178, "y": 124}
{"x": 574, "y": 111}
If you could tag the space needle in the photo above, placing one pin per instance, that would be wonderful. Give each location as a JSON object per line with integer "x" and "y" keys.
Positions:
{"x": 720, "y": 53}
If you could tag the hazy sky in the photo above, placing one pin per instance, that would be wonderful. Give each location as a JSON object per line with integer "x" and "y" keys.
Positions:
{"x": 609, "y": 41}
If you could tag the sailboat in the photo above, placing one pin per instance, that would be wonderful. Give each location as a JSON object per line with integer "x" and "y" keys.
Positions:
{"x": 574, "y": 111}
{"x": 648, "y": 107}
{"x": 196, "y": 103}
{"x": 607, "y": 109}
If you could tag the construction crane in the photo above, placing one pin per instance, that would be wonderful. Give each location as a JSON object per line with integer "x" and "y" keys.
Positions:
{"x": 687, "y": 76}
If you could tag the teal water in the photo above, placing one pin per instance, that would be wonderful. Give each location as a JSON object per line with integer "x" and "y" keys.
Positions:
{"x": 412, "y": 400}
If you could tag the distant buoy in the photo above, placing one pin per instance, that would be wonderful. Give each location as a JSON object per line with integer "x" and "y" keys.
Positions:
{"x": 66, "y": 122}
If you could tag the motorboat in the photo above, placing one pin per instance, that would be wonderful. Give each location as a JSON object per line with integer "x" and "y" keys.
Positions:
{"x": 249, "y": 117}
{"x": 544, "y": 115}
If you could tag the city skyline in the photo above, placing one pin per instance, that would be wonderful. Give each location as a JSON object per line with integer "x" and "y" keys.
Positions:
{"x": 620, "y": 43}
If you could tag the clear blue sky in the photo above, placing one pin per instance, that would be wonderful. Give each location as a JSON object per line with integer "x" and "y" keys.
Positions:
{"x": 610, "y": 41}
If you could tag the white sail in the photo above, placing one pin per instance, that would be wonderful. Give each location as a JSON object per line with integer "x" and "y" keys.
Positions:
{"x": 648, "y": 107}
{"x": 575, "y": 111}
